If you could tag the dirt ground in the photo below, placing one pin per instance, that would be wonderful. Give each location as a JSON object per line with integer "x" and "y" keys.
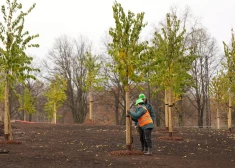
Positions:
{"x": 93, "y": 146}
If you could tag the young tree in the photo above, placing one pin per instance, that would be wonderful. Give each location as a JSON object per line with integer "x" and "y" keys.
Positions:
{"x": 55, "y": 97}
{"x": 93, "y": 79}
{"x": 230, "y": 67}
{"x": 13, "y": 60}
{"x": 171, "y": 64}
{"x": 218, "y": 92}
{"x": 27, "y": 102}
{"x": 35, "y": 88}
{"x": 114, "y": 88}
{"x": 125, "y": 51}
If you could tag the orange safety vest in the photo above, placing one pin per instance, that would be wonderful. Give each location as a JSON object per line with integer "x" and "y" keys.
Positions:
{"x": 145, "y": 119}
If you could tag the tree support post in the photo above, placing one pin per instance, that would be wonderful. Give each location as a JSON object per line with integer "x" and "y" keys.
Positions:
{"x": 166, "y": 110}
{"x": 128, "y": 121}
{"x": 170, "y": 113}
{"x": 6, "y": 114}
{"x": 230, "y": 113}
{"x": 91, "y": 106}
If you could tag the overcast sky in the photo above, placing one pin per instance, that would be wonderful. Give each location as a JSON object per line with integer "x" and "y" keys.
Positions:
{"x": 91, "y": 18}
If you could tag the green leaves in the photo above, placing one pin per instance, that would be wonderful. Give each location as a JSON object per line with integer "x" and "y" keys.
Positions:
{"x": 229, "y": 65}
{"x": 55, "y": 95}
{"x": 27, "y": 102}
{"x": 219, "y": 87}
{"x": 228, "y": 79}
{"x": 14, "y": 61}
{"x": 125, "y": 48}
{"x": 170, "y": 61}
{"x": 2, "y": 86}
{"x": 93, "y": 79}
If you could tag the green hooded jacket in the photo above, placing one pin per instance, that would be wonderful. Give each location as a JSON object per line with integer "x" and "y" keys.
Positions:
{"x": 138, "y": 113}
{"x": 150, "y": 109}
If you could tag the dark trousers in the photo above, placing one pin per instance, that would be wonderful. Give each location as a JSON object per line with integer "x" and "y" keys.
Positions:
{"x": 145, "y": 137}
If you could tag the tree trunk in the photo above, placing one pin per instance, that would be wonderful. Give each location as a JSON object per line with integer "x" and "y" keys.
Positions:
{"x": 30, "y": 117}
{"x": 200, "y": 119}
{"x": 230, "y": 113}
{"x": 170, "y": 112}
{"x": 91, "y": 105}
{"x": 116, "y": 110}
{"x": 166, "y": 110}
{"x": 54, "y": 114}
{"x": 180, "y": 107}
{"x": 149, "y": 95}
{"x": 207, "y": 102}
{"x": 25, "y": 117}
{"x": 158, "y": 110}
{"x": 10, "y": 128}
{"x": 128, "y": 121}
{"x": 7, "y": 121}
{"x": 23, "y": 112}
{"x": 218, "y": 117}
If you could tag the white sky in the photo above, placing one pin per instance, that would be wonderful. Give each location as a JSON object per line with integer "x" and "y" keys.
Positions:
{"x": 92, "y": 18}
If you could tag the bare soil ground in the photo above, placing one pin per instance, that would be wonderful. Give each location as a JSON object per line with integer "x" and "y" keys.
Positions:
{"x": 97, "y": 146}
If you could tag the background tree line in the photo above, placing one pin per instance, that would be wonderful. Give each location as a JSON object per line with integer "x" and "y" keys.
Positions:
{"x": 184, "y": 75}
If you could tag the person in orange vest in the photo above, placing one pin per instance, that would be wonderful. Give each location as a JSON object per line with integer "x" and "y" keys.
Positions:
{"x": 145, "y": 122}
{"x": 149, "y": 106}
{"x": 138, "y": 128}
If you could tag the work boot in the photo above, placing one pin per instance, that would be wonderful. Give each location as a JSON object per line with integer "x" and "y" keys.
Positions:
{"x": 145, "y": 150}
{"x": 149, "y": 152}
